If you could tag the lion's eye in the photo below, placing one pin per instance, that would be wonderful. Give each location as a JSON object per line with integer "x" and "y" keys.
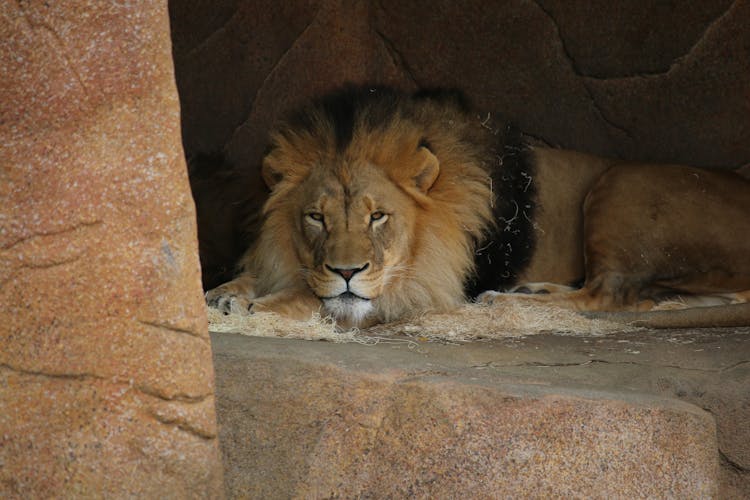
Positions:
{"x": 315, "y": 216}
{"x": 377, "y": 216}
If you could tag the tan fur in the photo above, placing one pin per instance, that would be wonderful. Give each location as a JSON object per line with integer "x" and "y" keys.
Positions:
{"x": 562, "y": 179}
{"x": 402, "y": 218}
{"x": 651, "y": 231}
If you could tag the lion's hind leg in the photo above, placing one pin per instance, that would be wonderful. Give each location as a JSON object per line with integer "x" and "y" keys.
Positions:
{"x": 605, "y": 292}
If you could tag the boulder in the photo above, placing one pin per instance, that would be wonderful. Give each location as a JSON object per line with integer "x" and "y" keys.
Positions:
{"x": 106, "y": 380}
{"x": 628, "y": 415}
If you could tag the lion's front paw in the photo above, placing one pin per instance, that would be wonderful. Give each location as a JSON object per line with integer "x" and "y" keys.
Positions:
{"x": 228, "y": 301}
{"x": 541, "y": 288}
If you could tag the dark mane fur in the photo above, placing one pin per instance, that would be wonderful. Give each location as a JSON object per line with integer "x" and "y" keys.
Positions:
{"x": 509, "y": 245}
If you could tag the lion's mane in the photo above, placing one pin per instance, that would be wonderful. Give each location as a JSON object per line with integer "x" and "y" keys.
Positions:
{"x": 453, "y": 216}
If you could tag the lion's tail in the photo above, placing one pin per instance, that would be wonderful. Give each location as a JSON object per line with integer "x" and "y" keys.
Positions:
{"x": 731, "y": 315}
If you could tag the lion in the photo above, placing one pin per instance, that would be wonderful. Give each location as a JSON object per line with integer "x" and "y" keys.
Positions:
{"x": 378, "y": 201}
{"x": 384, "y": 206}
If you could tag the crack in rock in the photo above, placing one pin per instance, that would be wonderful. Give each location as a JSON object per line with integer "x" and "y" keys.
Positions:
{"x": 679, "y": 60}
{"x": 52, "y": 375}
{"x": 87, "y": 376}
{"x": 223, "y": 26}
{"x": 17, "y": 258}
{"x": 178, "y": 417}
{"x": 173, "y": 329}
{"x": 736, "y": 365}
{"x": 4, "y": 280}
{"x": 582, "y": 78}
{"x": 397, "y": 58}
{"x": 180, "y": 397}
{"x": 59, "y": 44}
{"x": 57, "y": 232}
{"x": 536, "y": 364}
{"x": 725, "y": 460}
{"x": 271, "y": 72}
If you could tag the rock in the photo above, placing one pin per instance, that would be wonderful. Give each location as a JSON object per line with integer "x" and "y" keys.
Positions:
{"x": 625, "y": 415}
{"x": 649, "y": 83}
{"x": 105, "y": 366}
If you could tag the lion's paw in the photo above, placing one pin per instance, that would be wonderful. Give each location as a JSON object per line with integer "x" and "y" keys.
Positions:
{"x": 229, "y": 302}
{"x": 541, "y": 288}
{"x": 490, "y": 297}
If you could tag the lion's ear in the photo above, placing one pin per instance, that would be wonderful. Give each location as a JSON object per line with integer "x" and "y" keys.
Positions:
{"x": 427, "y": 169}
{"x": 271, "y": 172}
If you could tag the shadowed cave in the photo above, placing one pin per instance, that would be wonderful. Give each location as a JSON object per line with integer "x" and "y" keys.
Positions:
{"x": 665, "y": 82}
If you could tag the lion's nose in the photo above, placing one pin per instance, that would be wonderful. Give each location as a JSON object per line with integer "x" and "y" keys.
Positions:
{"x": 347, "y": 273}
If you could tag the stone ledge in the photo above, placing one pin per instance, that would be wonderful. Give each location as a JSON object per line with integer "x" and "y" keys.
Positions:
{"x": 543, "y": 415}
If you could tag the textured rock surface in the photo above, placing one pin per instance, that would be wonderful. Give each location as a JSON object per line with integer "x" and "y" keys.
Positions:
{"x": 106, "y": 383}
{"x": 628, "y": 415}
{"x": 658, "y": 82}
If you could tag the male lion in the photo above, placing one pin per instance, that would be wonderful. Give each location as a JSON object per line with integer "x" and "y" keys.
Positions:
{"x": 385, "y": 206}
{"x": 377, "y": 202}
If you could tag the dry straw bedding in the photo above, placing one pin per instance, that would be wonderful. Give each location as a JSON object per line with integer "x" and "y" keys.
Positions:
{"x": 470, "y": 322}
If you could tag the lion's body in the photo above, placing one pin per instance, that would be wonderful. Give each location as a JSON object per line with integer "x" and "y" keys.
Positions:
{"x": 640, "y": 234}
{"x": 383, "y": 205}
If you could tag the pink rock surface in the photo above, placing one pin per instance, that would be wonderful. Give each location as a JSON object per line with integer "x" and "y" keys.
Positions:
{"x": 107, "y": 382}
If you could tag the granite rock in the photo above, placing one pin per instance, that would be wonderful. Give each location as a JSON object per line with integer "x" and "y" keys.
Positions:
{"x": 546, "y": 416}
{"x": 105, "y": 362}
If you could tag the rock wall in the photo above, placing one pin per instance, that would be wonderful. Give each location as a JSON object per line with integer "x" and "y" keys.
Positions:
{"x": 106, "y": 380}
{"x": 659, "y": 81}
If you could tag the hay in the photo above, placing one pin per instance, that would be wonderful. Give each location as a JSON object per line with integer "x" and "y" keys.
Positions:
{"x": 514, "y": 319}
{"x": 273, "y": 325}
{"x": 470, "y": 322}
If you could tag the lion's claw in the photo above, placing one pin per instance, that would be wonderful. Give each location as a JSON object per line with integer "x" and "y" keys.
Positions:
{"x": 229, "y": 302}
{"x": 488, "y": 297}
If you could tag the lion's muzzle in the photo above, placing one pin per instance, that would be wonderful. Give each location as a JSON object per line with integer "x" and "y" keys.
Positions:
{"x": 345, "y": 293}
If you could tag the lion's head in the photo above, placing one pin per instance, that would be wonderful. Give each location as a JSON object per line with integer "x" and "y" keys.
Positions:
{"x": 376, "y": 203}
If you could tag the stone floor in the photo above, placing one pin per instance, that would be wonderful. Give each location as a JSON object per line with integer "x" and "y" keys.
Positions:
{"x": 647, "y": 414}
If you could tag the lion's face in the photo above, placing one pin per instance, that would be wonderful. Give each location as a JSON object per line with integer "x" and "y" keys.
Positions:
{"x": 353, "y": 237}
